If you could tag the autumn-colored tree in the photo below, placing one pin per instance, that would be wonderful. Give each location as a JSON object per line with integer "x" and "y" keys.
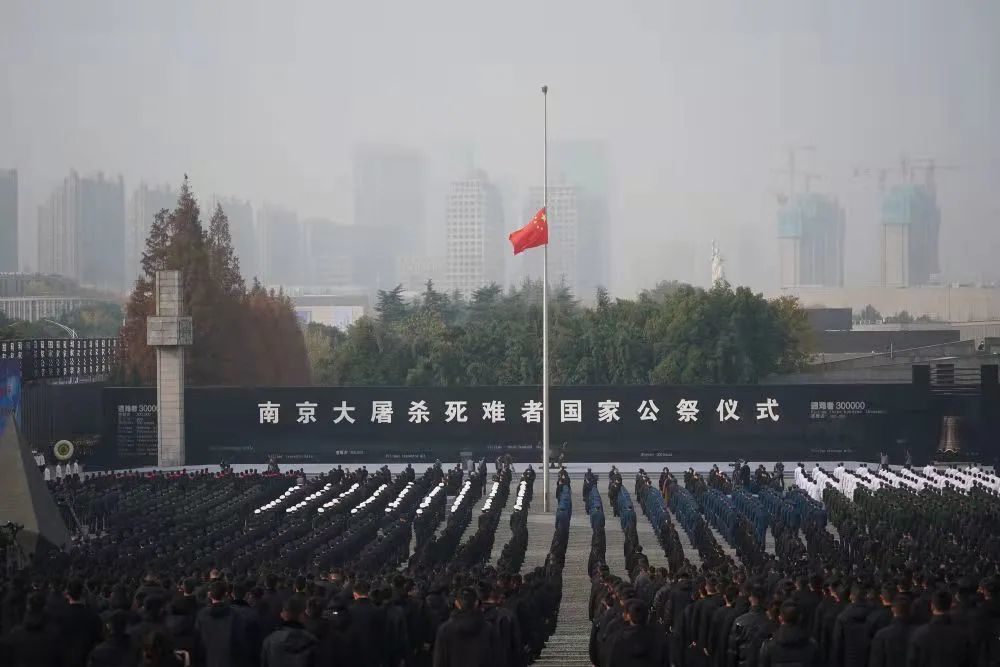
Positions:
{"x": 240, "y": 337}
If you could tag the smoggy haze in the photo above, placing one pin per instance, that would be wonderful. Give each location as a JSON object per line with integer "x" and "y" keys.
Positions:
{"x": 696, "y": 102}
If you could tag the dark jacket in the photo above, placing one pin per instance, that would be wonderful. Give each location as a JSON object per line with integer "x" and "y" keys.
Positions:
{"x": 850, "y": 637}
{"x": 880, "y": 618}
{"x": 31, "y": 644}
{"x": 80, "y": 630}
{"x": 986, "y": 633}
{"x": 223, "y": 639}
{"x": 640, "y": 646}
{"x": 808, "y": 601}
{"x": 114, "y": 652}
{"x": 718, "y": 637}
{"x": 940, "y": 643}
{"x": 366, "y": 633}
{"x": 702, "y": 620}
{"x": 465, "y": 640}
{"x": 180, "y": 622}
{"x": 889, "y": 645}
{"x": 790, "y": 647}
{"x": 510, "y": 650}
{"x": 743, "y": 637}
{"x": 289, "y": 646}
{"x": 825, "y": 626}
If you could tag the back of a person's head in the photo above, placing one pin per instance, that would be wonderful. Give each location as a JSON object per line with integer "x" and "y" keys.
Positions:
{"x": 155, "y": 648}
{"x": 190, "y": 586}
{"x": 300, "y": 584}
{"x": 901, "y": 606}
{"x": 314, "y": 607}
{"x": 240, "y": 589}
{"x": 35, "y": 603}
{"x": 293, "y": 608}
{"x": 789, "y": 613}
{"x": 74, "y": 589}
{"x": 467, "y": 598}
{"x": 991, "y": 586}
{"x": 941, "y": 601}
{"x": 152, "y": 605}
{"x": 966, "y": 587}
{"x": 117, "y": 623}
{"x": 637, "y": 611}
{"x": 361, "y": 587}
{"x": 218, "y": 590}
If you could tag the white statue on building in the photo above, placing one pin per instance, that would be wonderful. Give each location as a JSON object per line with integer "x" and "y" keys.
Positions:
{"x": 718, "y": 274}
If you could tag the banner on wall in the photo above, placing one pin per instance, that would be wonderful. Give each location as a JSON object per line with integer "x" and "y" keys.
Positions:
{"x": 10, "y": 389}
{"x": 620, "y": 423}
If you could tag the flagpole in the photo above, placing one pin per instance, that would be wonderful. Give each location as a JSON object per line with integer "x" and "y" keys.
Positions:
{"x": 545, "y": 304}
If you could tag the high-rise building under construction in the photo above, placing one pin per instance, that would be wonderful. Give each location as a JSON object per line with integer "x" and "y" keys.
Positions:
{"x": 811, "y": 241}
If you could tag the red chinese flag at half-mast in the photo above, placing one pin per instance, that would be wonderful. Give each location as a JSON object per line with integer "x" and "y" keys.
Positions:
{"x": 533, "y": 234}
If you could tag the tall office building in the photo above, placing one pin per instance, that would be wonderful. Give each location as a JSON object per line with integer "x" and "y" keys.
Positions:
{"x": 143, "y": 206}
{"x": 283, "y": 256}
{"x": 585, "y": 165}
{"x": 8, "y": 221}
{"x": 811, "y": 231}
{"x": 243, "y": 231}
{"x": 330, "y": 254}
{"x": 474, "y": 234}
{"x": 564, "y": 239}
{"x": 389, "y": 196}
{"x": 81, "y": 227}
{"x": 101, "y": 238}
{"x": 911, "y": 225}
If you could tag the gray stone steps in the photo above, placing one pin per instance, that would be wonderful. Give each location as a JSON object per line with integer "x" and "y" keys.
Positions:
{"x": 568, "y": 645}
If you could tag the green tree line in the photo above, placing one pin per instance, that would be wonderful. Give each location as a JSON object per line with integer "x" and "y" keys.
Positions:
{"x": 673, "y": 333}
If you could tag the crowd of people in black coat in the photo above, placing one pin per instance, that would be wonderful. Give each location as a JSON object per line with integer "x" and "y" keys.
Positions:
{"x": 910, "y": 577}
{"x": 274, "y": 570}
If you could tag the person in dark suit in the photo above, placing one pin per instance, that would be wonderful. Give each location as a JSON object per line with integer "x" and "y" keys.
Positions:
{"x": 942, "y": 642}
{"x": 890, "y": 644}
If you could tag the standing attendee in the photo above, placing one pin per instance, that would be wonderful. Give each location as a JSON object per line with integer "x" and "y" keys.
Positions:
{"x": 291, "y": 645}
{"x": 639, "y": 644}
{"x": 118, "y": 650}
{"x": 942, "y": 642}
{"x": 466, "y": 639}
{"x": 80, "y": 627}
{"x": 790, "y": 644}
{"x": 222, "y": 639}
{"x": 366, "y": 628}
{"x": 32, "y": 643}
{"x": 889, "y": 645}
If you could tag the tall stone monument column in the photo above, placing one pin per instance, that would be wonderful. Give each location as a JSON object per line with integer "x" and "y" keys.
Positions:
{"x": 169, "y": 331}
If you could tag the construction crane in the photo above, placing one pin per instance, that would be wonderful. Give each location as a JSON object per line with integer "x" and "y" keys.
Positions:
{"x": 881, "y": 174}
{"x": 792, "y": 169}
{"x": 930, "y": 167}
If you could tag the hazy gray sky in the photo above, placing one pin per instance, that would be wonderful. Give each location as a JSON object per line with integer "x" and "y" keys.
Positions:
{"x": 696, "y": 101}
